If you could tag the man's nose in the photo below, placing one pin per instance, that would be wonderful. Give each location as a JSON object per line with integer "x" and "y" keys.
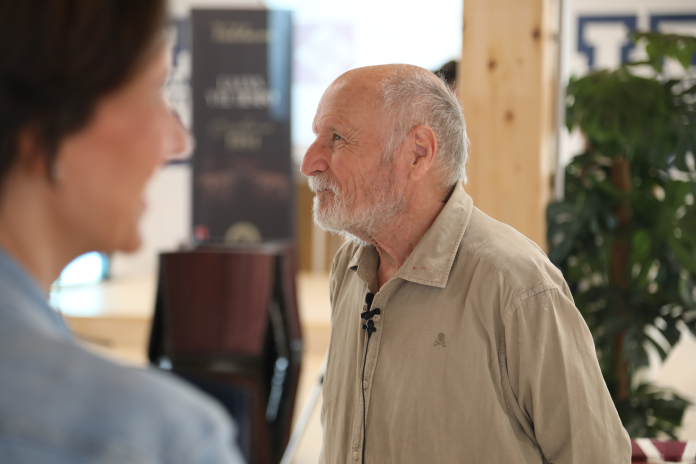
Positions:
{"x": 315, "y": 161}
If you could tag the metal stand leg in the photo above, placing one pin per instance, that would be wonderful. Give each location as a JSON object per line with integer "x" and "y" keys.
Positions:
{"x": 304, "y": 416}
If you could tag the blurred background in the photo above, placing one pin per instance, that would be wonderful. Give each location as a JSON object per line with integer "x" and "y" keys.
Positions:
{"x": 542, "y": 155}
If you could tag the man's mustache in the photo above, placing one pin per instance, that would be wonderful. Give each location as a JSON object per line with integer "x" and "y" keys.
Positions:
{"x": 323, "y": 182}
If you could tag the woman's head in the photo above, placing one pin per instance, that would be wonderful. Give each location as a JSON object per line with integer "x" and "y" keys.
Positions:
{"x": 80, "y": 100}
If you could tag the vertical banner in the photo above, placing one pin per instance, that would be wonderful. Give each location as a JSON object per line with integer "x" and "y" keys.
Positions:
{"x": 242, "y": 172}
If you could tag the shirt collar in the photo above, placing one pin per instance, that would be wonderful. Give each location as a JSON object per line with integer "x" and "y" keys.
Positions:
{"x": 365, "y": 261}
{"x": 431, "y": 261}
{"x": 21, "y": 299}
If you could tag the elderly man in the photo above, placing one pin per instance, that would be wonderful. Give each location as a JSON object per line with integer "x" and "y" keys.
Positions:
{"x": 453, "y": 338}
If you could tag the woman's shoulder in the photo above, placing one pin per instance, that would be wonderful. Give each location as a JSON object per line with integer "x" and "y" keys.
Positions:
{"x": 96, "y": 403}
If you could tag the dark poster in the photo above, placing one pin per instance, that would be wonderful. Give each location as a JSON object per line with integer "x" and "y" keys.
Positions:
{"x": 242, "y": 174}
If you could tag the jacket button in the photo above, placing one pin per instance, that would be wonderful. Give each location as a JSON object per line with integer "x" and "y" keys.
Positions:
{"x": 376, "y": 318}
{"x": 356, "y": 455}
{"x": 365, "y": 383}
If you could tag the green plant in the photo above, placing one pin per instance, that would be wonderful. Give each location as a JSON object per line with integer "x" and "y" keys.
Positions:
{"x": 625, "y": 233}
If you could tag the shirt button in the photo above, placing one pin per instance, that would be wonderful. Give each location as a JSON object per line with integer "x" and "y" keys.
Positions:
{"x": 356, "y": 455}
{"x": 376, "y": 318}
{"x": 365, "y": 383}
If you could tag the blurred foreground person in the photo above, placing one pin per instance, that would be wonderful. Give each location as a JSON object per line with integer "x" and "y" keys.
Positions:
{"x": 82, "y": 128}
{"x": 453, "y": 338}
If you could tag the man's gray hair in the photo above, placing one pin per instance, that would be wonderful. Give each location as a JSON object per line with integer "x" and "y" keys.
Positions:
{"x": 413, "y": 97}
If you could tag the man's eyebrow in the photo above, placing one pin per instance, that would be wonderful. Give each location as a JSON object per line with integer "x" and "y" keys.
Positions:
{"x": 315, "y": 127}
{"x": 328, "y": 128}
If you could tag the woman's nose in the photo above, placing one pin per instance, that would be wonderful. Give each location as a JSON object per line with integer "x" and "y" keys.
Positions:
{"x": 180, "y": 140}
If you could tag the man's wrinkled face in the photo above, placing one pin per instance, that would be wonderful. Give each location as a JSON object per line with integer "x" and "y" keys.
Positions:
{"x": 356, "y": 192}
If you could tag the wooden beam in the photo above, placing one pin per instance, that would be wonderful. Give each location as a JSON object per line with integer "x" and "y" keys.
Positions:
{"x": 507, "y": 86}
{"x": 303, "y": 224}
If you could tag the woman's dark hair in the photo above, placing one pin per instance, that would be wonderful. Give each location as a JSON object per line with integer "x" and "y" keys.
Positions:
{"x": 58, "y": 57}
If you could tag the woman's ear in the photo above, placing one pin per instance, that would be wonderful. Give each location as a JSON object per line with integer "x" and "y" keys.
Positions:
{"x": 423, "y": 150}
{"x": 31, "y": 158}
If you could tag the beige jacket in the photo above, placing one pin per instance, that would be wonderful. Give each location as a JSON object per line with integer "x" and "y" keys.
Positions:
{"x": 480, "y": 356}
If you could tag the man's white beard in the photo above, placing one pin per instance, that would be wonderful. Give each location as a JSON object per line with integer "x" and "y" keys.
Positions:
{"x": 357, "y": 223}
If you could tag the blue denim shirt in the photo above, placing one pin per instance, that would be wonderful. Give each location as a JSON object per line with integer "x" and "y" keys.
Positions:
{"x": 62, "y": 404}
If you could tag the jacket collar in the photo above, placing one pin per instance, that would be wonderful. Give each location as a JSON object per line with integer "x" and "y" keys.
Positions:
{"x": 22, "y": 300}
{"x": 431, "y": 261}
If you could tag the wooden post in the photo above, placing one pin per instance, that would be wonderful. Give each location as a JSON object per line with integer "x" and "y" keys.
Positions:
{"x": 507, "y": 87}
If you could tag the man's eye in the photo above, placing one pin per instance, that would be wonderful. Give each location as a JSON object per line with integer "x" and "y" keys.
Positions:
{"x": 337, "y": 137}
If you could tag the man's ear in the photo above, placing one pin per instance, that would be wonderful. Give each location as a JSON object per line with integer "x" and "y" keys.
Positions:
{"x": 423, "y": 150}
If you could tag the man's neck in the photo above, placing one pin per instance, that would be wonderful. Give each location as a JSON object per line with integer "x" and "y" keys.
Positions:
{"x": 397, "y": 240}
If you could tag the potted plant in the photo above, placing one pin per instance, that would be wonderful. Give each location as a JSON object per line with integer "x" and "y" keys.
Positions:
{"x": 624, "y": 235}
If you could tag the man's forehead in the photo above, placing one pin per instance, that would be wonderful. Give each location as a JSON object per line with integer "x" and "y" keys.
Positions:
{"x": 355, "y": 88}
{"x": 345, "y": 101}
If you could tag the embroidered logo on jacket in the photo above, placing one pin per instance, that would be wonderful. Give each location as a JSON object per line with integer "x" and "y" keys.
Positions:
{"x": 440, "y": 340}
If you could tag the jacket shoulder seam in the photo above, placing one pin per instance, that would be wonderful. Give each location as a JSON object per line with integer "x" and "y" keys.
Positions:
{"x": 521, "y": 297}
{"x": 542, "y": 288}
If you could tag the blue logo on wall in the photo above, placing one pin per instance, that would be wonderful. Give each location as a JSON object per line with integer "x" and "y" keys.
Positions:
{"x": 583, "y": 45}
{"x": 629, "y": 23}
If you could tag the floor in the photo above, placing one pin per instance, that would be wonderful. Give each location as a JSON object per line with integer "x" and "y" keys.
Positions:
{"x": 113, "y": 318}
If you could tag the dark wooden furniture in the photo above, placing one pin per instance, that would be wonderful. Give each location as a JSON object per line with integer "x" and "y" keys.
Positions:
{"x": 226, "y": 320}
{"x": 654, "y": 450}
